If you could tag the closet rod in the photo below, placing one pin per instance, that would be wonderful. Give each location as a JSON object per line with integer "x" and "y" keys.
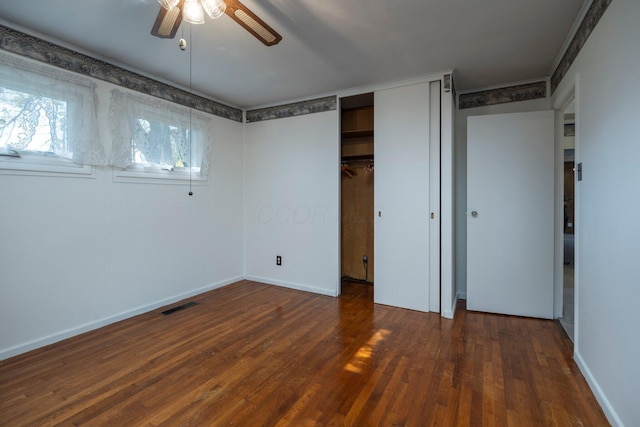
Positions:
{"x": 366, "y": 158}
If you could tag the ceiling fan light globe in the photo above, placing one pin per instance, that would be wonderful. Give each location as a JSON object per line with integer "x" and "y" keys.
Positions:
{"x": 192, "y": 12}
{"x": 214, "y": 8}
{"x": 168, "y": 4}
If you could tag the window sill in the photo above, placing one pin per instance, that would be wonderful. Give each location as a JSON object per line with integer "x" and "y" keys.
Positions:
{"x": 156, "y": 176}
{"x": 27, "y": 165}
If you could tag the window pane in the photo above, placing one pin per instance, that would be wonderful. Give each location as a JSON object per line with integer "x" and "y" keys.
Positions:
{"x": 35, "y": 123}
{"x": 160, "y": 144}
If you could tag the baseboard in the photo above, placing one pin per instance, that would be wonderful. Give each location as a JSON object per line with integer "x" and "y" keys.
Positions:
{"x": 292, "y": 285}
{"x": 462, "y": 295}
{"x": 607, "y": 408}
{"x": 451, "y": 312}
{"x": 68, "y": 333}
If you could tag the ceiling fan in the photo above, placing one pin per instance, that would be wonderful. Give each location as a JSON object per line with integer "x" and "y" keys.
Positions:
{"x": 173, "y": 12}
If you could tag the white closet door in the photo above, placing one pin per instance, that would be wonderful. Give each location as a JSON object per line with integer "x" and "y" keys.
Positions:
{"x": 401, "y": 196}
{"x": 510, "y": 191}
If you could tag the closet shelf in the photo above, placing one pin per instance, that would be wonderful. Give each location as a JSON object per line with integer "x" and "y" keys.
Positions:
{"x": 358, "y": 157}
{"x": 357, "y": 133}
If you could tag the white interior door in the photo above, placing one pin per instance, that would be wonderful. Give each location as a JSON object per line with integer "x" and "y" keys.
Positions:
{"x": 401, "y": 196}
{"x": 510, "y": 196}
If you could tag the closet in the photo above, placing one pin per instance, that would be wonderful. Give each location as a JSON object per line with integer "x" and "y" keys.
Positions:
{"x": 357, "y": 184}
{"x": 396, "y": 193}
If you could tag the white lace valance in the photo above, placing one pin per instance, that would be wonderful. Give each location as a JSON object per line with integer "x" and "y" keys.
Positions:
{"x": 48, "y": 110}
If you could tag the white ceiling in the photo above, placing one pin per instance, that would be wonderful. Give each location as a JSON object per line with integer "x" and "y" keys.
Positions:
{"x": 327, "y": 45}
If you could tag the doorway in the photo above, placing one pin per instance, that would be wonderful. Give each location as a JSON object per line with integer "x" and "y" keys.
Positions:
{"x": 357, "y": 190}
{"x": 568, "y": 279}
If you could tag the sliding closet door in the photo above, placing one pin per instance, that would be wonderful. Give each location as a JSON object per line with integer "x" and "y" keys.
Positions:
{"x": 401, "y": 196}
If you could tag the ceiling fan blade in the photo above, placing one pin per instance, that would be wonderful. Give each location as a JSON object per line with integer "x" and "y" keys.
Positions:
{"x": 250, "y": 22}
{"x": 167, "y": 22}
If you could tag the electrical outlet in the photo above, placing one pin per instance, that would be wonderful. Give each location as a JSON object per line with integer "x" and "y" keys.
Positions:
{"x": 278, "y": 260}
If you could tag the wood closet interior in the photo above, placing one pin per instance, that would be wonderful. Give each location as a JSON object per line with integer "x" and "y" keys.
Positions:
{"x": 357, "y": 177}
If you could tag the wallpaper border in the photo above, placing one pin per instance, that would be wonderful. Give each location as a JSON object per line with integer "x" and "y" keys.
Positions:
{"x": 591, "y": 19}
{"x": 37, "y": 49}
{"x": 318, "y": 105}
{"x": 523, "y": 92}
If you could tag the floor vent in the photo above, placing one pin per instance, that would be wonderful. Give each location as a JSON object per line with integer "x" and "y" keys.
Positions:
{"x": 179, "y": 307}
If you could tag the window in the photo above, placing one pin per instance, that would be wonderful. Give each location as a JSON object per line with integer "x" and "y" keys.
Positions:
{"x": 156, "y": 139}
{"x": 33, "y": 123}
{"x": 47, "y": 119}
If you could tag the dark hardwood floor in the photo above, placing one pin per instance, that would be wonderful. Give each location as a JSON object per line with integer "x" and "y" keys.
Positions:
{"x": 256, "y": 355}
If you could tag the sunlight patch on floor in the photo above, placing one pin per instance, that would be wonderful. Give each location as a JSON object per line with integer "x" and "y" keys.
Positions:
{"x": 364, "y": 353}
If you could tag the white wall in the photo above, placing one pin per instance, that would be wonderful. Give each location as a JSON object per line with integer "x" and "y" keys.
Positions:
{"x": 78, "y": 253}
{"x": 461, "y": 176}
{"x": 605, "y": 77}
{"x": 291, "y": 202}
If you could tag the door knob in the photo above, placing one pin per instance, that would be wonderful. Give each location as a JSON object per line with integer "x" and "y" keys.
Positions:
{"x": 474, "y": 214}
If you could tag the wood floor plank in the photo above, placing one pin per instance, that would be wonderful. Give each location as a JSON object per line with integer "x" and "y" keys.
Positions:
{"x": 251, "y": 354}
